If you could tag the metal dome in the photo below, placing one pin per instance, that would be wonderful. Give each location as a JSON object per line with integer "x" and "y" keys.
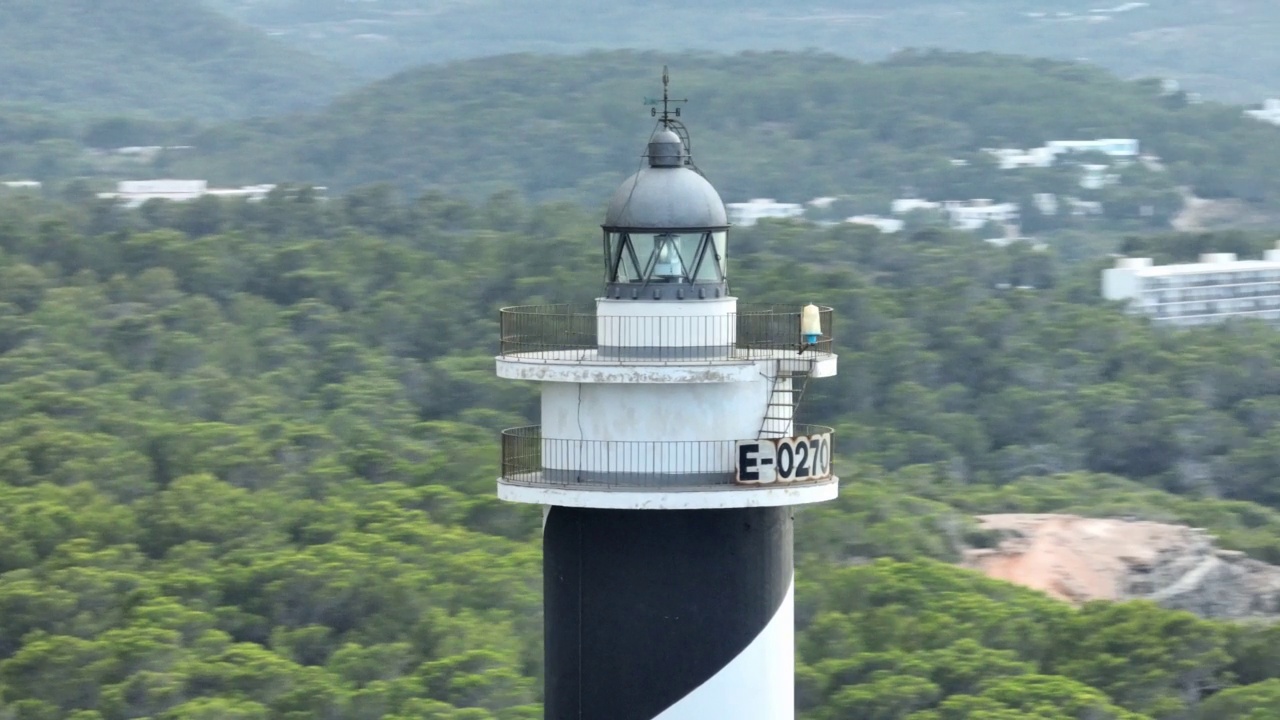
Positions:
{"x": 666, "y": 198}
{"x": 665, "y": 135}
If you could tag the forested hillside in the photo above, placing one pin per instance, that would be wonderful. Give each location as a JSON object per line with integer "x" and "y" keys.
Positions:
{"x": 792, "y": 126}
{"x": 1224, "y": 49}
{"x": 247, "y": 455}
{"x": 166, "y": 58}
{"x": 37, "y": 143}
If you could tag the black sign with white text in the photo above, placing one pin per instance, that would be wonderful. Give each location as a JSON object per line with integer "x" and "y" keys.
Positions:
{"x": 784, "y": 460}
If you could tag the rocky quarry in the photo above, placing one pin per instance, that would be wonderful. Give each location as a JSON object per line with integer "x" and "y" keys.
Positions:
{"x": 1080, "y": 559}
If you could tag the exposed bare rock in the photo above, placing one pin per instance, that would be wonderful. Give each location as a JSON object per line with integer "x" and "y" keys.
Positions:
{"x": 1080, "y": 559}
{"x": 1200, "y": 214}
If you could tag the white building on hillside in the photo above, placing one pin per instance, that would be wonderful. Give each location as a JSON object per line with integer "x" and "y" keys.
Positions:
{"x": 1046, "y": 156}
{"x": 974, "y": 214}
{"x": 139, "y": 191}
{"x": 902, "y": 206}
{"x": 1082, "y": 208}
{"x": 964, "y": 214}
{"x": 252, "y": 192}
{"x": 147, "y": 153}
{"x": 1096, "y": 177}
{"x": 1011, "y": 240}
{"x": 746, "y": 214}
{"x": 1210, "y": 291}
{"x": 136, "y": 192}
{"x": 1046, "y": 203}
{"x": 1035, "y": 157}
{"x": 883, "y": 224}
{"x": 1269, "y": 113}
{"x": 1115, "y": 147}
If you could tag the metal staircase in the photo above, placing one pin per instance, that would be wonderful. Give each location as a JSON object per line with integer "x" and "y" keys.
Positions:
{"x": 784, "y": 397}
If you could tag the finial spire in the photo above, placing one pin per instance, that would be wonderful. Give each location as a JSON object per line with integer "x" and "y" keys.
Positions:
{"x": 667, "y": 111}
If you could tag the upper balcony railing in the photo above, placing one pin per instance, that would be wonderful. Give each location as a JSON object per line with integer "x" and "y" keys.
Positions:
{"x": 559, "y": 332}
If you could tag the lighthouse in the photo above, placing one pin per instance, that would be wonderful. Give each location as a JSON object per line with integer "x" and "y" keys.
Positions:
{"x": 668, "y": 462}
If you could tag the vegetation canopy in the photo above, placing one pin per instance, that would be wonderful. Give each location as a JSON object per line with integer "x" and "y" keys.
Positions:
{"x": 247, "y": 454}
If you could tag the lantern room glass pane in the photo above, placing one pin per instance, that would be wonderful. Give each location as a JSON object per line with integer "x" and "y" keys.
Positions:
{"x": 688, "y": 245}
{"x": 666, "y": 260}
{"x": 664, "y": 257}
{"x": 708, "y": 264}
{"x": 627, "y": 270}
{"x": 610, "y": 255}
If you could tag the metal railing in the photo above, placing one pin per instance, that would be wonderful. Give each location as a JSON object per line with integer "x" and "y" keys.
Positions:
{"x": 528, "y": 458}
{"x": 567, "y": 332}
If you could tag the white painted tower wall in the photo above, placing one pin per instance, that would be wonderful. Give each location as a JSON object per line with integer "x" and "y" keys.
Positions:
{"x": 692, "y": 323}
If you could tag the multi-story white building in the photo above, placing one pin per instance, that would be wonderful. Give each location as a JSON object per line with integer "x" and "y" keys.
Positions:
{"x": 1210, "y": 291}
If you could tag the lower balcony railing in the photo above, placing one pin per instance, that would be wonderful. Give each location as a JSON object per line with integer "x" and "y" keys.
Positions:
{"x": 528, "y": 458}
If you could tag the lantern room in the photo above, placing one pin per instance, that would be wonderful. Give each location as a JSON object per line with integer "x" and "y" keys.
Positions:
{"x": 664, "y": 231}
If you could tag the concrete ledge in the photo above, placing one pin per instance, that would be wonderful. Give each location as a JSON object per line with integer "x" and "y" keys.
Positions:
{"x": 589, "y": 367}
{"x": 628, "y": 371}
{"x": 724, "y": 496}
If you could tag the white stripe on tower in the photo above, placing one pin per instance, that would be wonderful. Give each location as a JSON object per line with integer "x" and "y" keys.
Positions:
{"x": 758, "y": 684}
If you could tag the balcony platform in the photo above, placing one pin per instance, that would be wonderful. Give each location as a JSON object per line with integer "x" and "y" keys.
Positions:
{"x": 532, "y": 490}
{"x": 589, "y": 366}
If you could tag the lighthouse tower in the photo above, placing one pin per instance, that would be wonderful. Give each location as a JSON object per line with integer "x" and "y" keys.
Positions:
{"x": 668, "y": 461}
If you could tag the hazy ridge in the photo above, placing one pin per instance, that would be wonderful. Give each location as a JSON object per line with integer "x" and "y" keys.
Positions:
{"x": 172, "y": 58}
{"x": 1223, "y": 48}
{"x": 793, "y": 125}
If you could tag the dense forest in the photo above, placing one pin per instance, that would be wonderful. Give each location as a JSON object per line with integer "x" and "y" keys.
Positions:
{"x": 1224, "y": 49}
{"x": 163, "y": 58}
{"x": 791, "y": 126}
{"x": 247, "y": 454}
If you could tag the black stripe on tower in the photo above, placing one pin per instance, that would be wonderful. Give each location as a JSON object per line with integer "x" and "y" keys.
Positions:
{"x": 644, "y": 606}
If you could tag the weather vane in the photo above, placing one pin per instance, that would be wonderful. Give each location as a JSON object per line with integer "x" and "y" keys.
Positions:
{"x": 667, "y": 111}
